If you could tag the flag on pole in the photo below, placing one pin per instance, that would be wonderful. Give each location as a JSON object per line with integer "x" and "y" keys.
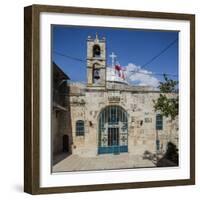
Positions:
{"x": 118, "y": 67}
{"x": 120, "y": 70}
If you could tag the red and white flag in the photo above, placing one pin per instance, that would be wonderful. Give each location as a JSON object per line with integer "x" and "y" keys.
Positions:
{"x": 118, "y": 67}
{"x": 120, "y": 70}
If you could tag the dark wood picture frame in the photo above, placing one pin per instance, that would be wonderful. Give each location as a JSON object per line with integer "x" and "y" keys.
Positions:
{"x": 32, "y": 105}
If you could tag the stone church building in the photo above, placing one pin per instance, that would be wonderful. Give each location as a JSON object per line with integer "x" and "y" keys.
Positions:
{"x": 109, "y": 116}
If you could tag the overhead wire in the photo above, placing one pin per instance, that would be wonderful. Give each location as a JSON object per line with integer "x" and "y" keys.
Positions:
{"x": 134, "y": 71}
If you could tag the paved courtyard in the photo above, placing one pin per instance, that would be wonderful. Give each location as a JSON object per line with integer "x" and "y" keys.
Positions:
{"x": 100, "y": 162}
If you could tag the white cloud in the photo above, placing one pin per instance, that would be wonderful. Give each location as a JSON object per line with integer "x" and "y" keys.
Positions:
{"x": 137, "y": 76}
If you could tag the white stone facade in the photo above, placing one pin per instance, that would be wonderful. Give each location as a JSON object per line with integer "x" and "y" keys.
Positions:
{"x": 87, "y": 105}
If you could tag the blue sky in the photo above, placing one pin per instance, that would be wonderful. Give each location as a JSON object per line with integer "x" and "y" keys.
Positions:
{"x": 132, "y": 47}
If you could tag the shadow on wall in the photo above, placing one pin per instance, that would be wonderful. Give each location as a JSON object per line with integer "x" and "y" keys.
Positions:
{"x": 169, "y": 159}
{"x": 61, "y": 120}
{"x": 66, "y": 132}
{"x": 68, "y": 122}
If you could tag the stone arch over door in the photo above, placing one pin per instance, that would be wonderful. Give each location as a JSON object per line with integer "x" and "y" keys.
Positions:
{"x": 113, "y": 130}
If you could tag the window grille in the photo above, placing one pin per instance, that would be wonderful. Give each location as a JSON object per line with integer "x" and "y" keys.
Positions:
{"x": 80, "y": 130}
{"x": 113, "y": 130}
{"x": 159, "y": 122}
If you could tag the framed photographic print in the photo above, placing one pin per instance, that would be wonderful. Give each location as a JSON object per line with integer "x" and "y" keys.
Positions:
{"x": 109, "y": 99}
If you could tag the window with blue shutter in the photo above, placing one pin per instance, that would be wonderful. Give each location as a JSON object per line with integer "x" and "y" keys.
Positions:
{"x": 80, "y": 130}
{"x": 159, "y": 122}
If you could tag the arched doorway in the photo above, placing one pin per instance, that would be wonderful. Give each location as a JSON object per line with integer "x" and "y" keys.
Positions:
{"x": 113, "y": 130}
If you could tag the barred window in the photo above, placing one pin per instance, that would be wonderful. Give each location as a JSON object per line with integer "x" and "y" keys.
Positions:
{"x": 80, "y": 130}
{"x": 159, "y": 122}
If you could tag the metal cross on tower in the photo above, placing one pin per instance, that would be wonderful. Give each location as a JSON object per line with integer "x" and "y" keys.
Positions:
{"x": 113, "y": 57}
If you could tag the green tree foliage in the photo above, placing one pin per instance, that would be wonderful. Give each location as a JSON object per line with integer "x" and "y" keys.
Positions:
{"x": 167, "y": 107}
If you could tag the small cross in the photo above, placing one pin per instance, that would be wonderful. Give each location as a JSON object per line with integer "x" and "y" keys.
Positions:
{"x": 113, "y": 56}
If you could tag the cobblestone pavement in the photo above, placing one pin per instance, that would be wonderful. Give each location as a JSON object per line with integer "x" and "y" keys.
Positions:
{"x": 100, "y": 162}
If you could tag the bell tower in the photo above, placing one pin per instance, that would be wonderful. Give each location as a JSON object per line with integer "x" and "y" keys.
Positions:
{"x": 96, "y": 63}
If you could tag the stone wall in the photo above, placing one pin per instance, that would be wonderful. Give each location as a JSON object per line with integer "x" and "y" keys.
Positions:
{"x": 142, "y": 132}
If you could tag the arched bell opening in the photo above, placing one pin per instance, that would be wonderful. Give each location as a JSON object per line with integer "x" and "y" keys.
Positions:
{"x": 96, "y": 51}
{"x": 96, "y": 73}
